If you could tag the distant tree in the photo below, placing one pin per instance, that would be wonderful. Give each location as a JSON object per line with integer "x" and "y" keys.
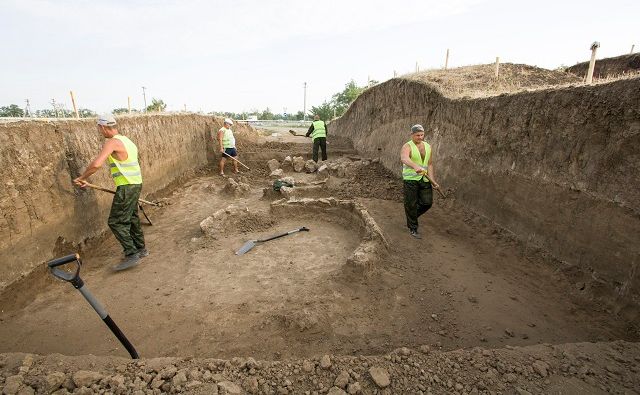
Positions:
{"x": 325, "y": 110}
{"x": 266, "y": 114}
{"x": 11, "y": 111}
{"x": 86, "y": 113}
{"x": 299, "y": 116}
{"x": 342, "y": 100}
{"x": 120, "y": 110}
{"x": 157, "y": 105}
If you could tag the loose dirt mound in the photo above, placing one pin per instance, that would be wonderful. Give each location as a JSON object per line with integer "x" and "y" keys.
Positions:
{"x": 578, "y": 368}
{"x": 480, "y": 81}
{"x": 609, "y": 67}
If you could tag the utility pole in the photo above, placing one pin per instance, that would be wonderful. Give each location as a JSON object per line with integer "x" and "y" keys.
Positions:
{"x": 592, "y": 62}
{"x": 55, "y": 109}
{"x": 497, "y": 72}
{"x": 632, "y": 48}
{"x": 446, "y": 60}
{"x": 73, "y": 101}
{"x": 129, "y": 103}
{"x": 144, "y": 96}
{"x": 27, "y": 109}
{"x": 304, "y": 109}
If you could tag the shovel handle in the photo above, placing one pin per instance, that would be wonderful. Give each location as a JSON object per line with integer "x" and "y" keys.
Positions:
{"x": 63, "y": 260}
{"x": 90, "y": 185}
{"x": 303, "y": 229}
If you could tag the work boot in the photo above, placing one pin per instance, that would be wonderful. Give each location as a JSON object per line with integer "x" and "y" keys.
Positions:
{"x": 142, "y": 252}
{"x": 414, "y": 233}
{"x": 127, "y": 262}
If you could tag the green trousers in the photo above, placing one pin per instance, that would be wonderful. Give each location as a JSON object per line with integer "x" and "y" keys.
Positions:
{"x": 123, "y": 218}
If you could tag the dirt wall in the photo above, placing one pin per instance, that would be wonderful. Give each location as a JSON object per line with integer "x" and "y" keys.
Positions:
{"x": 609, "y": 67}
{"x": 558, "y": 168}
{"x": 44, "y": 215}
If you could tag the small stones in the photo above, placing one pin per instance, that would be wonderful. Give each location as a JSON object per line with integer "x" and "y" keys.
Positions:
{"x": 380, "y": 376}
{"x": 273, "y": 164}
{"x": 84, "y": 378}
{"x": 54, "y": 381}
{"x": 342, "y": 380}
{"x": 325, "y": 362}
{"x": 230, "y": 387}
{"x": 541, "y": 368}
{"x": 12, "y": 385}
{"x": 336, "y": 391}
{"x": 298, "y": 163}
{"x": 278, "y": 173}
{"x": 354, "y": 388}
{"x": 310, "y": 166}
{"x": 307, "y": 366}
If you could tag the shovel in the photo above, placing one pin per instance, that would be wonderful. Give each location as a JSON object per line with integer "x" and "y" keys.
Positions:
{"x": 296, "y": 134}
{"x": 252, "y": 243}
{"x": 76, "y": 281}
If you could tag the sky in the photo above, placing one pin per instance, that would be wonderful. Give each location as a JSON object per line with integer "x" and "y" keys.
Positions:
{"x": 246, "y": 55}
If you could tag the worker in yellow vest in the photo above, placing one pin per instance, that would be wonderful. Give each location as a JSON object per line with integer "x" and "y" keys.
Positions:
{"x": 417, "y": 168}
{"x": 122, "y": 155}
{"x": 227, "y": 143}
{"x": 318, "y": 132}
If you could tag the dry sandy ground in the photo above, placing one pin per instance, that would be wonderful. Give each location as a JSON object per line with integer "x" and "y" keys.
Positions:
{"x": 465, "y": 284}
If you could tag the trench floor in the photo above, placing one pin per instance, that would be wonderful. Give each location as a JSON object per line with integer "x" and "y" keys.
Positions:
{"x": 463, "y": 285}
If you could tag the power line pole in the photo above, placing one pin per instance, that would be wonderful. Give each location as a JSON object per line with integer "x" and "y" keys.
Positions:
{"x": 144, "y": 96}
{"x": 304, "y": 111}
{"x": 55, "y": 109}
{"x": 27, "y": 109}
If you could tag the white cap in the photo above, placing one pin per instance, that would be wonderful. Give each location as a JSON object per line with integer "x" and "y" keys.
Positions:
{"x": 106, "y": 120}
{"x": 228, "y": 121}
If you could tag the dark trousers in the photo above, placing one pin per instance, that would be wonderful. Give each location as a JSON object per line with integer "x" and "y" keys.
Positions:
{"x": 123, "y": 218}
{"x": 319, "y": 142}
{"x": 418, "y": 198}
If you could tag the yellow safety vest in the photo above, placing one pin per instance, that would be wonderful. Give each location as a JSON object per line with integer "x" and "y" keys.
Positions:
{"x": 319, "y": 130}
{"x": 228, "y": 140}
{"x": 408, "y": 173}
{"x": 126, "y": 172}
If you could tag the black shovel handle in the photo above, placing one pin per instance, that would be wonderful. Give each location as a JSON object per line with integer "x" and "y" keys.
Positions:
{"x": 303, "y": 229}
{"x": 63, "y": 260}
{"x": 73, "y": 278}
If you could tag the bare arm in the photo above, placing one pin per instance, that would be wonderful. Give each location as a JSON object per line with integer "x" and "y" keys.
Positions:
{"x": 107, "y": 149}
{"x": 405, "y": 153}
{"x": 431, "y": 172}
{"x": 220, "y": 135}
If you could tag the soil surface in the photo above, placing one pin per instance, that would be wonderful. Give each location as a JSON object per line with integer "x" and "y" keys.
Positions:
{"x": 465, "y": 284}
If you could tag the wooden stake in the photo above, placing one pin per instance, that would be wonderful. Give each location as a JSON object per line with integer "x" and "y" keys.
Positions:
{"x": 592, "y": 62}
{"x": 632, "y": 47}
{"x": 129, "y": 103}
{"x": 497, "y": 66}
{"x": 446, "y": 60}
{"x": 73, "y": 101}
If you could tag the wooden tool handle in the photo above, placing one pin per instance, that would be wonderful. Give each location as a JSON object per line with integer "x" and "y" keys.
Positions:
{"x": 114, "y": 192}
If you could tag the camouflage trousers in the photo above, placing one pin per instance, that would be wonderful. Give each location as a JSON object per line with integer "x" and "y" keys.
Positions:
{"x": 123, "y": 218}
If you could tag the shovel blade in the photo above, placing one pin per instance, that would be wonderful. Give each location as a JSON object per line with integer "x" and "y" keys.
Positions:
{"x": 246, "y": 247}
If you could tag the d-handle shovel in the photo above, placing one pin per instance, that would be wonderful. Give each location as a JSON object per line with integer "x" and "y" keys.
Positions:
{"x": 76, "y": 281}
{"x": 251, "y": 243}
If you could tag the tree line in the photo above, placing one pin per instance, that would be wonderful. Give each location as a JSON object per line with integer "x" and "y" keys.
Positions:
{"x": 327, "y": 110}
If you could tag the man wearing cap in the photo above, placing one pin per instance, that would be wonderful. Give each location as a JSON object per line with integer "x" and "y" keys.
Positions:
{"x": 227, "y": 144}
{"x": 122, "y": 155}
{"x": 318, "y": 132}
{"x": 417, "y": 169}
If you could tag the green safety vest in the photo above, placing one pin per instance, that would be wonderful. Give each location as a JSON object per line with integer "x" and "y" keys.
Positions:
{"x": 228, "y": 141}
{"x": 319, "y": 130}
{"x": 407, "y": 172}
{"x": 126, "y": 172}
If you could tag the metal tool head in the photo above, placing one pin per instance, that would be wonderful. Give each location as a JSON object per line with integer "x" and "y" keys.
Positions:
{"x": 246, "y": 247}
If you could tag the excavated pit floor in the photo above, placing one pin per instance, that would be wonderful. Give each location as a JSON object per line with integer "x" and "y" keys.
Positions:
{"x": 464, "y": 284}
